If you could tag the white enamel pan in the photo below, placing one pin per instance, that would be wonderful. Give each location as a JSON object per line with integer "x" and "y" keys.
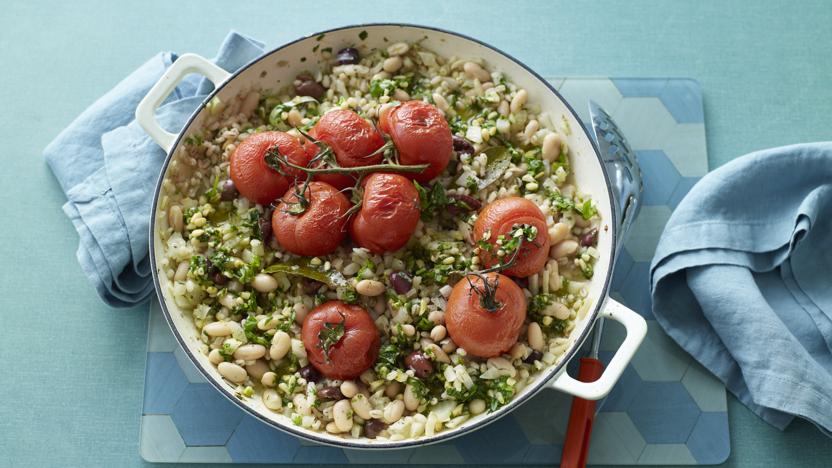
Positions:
{"x": 279, "y": 68}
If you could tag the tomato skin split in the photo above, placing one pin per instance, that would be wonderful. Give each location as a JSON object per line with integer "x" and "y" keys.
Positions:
{"x": 389, "y": 213}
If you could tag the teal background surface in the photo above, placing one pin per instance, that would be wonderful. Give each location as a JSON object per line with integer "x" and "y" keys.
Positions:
{"x": 72, "y": 369}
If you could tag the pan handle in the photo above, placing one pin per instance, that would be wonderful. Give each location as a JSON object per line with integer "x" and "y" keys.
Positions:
{"x": 636, "y": 329}
{"x": 181, "y": 67}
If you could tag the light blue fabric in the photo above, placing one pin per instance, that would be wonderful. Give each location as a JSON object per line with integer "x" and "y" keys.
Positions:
{"x": 108, "y": 168}
{"x": 742, "y": 280}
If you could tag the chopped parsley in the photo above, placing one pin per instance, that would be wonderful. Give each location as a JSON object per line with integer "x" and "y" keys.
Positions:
{"x": 250, "y": 328}
{"x": 586, "y": 209}
{"x": 432, "y": 199}
{"x": 330, "y": 335}
{"x": 362, "y": 35}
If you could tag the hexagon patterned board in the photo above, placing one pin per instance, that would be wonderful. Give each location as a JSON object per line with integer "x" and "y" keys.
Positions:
{"x": 666, "y": 409}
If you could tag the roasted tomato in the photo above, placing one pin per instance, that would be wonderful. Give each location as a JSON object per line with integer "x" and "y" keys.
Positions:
{"x": 341, "y": 340}
{"x": 352, "y": 139}
{"x": 421, "y": 136}
{"x": 253, "y": 178}
{"x": 500, "y": 218}
{"x": 313, "y": 223}
{"x": 485, "y": 319}
{"x": 389, "y": 213}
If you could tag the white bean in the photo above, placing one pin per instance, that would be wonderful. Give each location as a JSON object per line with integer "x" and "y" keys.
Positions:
{"x": 503, "y": 108}
{"x": 300, "y": 312}
{"x": 564, "y": 249}
{"x": 518, "y": 101}
{"x": 332, "y": 428}
{"x": 348, "y": 388}
{"x": 440, "y": 101}
{"x": 215, "y": 357}
{"x": 558, "y": 232}
{"x": 535, "y": 335}
{"x": 250, "y": 103}
{"x": 393, "y": 411}
{"x": 448, "y": 345}
{"x": 438, "y": 333}
{"x": 392, "y": 64}
{"x": 552, "y": 145}
{"x": 531, "y": 128}
{"x": 518, "y": 351}
{"x": 301, "y": 404}
{"x": 399, "y": 48}
{"x": 409, "y": 329}
{"x": 268, "y": 379}
{"x": 294, "y": 118}
{"x": 558, "y": 311}
{"x": 175, "y": 218}
{"x": 370, "y": 288}
{"x": 281, "y": 342}
{"x": 393, "y": 389}
{"x": 181, "y": 272}
{"x": 217, "y": 329}
{"x": 503, "y": 364}
{"x": 437, "y": 317}
{"x": 476, "y": 406}
{"x": 361, "y": 406}
{"x": 473, "y": 70}
{"x": 264, "y": 283}
{"x": 411, "y": 402}
{"x": 271, "y": 399}
{"x": 258, "y": 369}
{"x": 401, "y": 95}
{"x": 268, "y": 323}
{"x": 438, "y": 353}
{"x": 250, "y": 352}
{"x": 232, "y": 372}
{"x": 342, "y": 414}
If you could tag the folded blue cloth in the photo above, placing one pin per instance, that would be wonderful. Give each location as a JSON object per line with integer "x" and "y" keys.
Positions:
{"x": 742, "y": 280}
{"x": 108, "y": 168}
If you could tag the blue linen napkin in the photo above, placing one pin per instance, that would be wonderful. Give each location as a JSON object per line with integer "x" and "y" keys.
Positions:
{"x": 742, "y": 280}
{"x": 108, "y": 168}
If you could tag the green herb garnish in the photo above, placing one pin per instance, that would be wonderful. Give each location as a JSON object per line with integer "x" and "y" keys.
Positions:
{"x": 331, "y": 334}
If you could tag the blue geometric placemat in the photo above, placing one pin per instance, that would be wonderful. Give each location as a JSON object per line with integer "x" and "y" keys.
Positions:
{"x": 665, "y": 410}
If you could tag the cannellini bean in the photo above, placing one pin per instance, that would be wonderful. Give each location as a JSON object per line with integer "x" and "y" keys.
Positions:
{"x": 518, "y": 101}
{"x": 477, "y": 406}
{"x": 564, "y": 249}
{"x": 281, "y": 342}
{"x": 250, "y": 352}
{"x": 301, "y": 403}
{"x": 181, "y": 272}
{"x": 393, "y": 389}
{"x": 448, "y": 345}
{"x": 473, "y": 70}
{"x": 503, "y": 108}
{"x": 294, "y": 118}
{"x": 399, "y": 48}
{"x": 215, "y": 357}
{"x": 175, "y": 218}
{"x": 267, "y": 323}
{"x": 438, "y": 333}
{"x": 332, "y": 428}
{"x": 264, "y": 283}
{"x": 370, "y": 288}
{"x": 401, "y": 95}
{"x": 342, "y": 414}
{"x": 258, "y": 369}
{"x": 440, "y": 101}
{"x": 558, "y": 311}
{"x": 558, "y": 233}
{"x": 271, "y": 399}
{"x": 300, "y": 312}
{"x": 518, "y": 351}
{"x": 217, "y": 329}
{"x": 361, "y": 406}
{"x": 535, "y": 337}
{"x": 531, "y": 127}
{"x": 232, "y": 372}
{"x": 503, "y": 364}
{"x": 437, "y": 317}
{"x": 348, "y": 388}
{"x": 393, "y": 411}
{"x": 438, "y": 352}
{"x": 268, "y": 379}
{"x": 552, "y": 144}
{"x": 411, "y": 402}
{"x": 392, "y": 64}
{"x": 409, "y": 329}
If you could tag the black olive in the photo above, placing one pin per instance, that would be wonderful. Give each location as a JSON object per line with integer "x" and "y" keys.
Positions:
{"x": 463, "y": 204}
{"x": 229, "y": 191}
{"x": 310, "y": 374}
{"x": 347, "y": 56}
{"x": 533, "y": 356}
{"x": 462, "y": 146}
{"x": 330, "y": 393}
{"x": 265, "y": 224}
{"x": 401, "y": 282}
{"x": 590, "y": 239}
{"x": 420, "y": 364}
{"x": 373, "y": 427}
{"x": 309, "y": 87}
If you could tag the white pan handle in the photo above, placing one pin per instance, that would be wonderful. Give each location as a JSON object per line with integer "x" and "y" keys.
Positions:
{"x": 181, "y": 67}
{"x": 636, "y": 329}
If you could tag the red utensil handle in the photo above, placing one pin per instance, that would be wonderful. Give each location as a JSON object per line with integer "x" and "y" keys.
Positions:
{"x": 579, "y": 431}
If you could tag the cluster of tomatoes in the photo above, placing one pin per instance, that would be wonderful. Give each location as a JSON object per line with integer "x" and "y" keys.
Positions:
{"x": 312, "y": 217}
